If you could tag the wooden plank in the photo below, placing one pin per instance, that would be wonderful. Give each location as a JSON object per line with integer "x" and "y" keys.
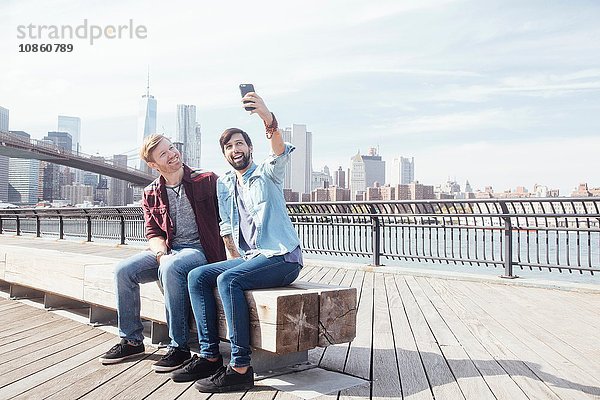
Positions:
{"x": 359, "y": 358}
{"x": 573, "y": 327}
{"x": 386, "y": 378}
{"x": 28, "y": 323}
{"x": 567, "y": 377}
{"x": 48, "y": 345}
{"x": 500, "y": 383}
{"x": 77, "y": 381}
{"x": 312, "y": 272}
{"x": 145, "y": 386}
{"x": 125, "y": 380}
{"x": 336, "y": 312}
{"x": 192, "y": 394}
{"x": 262, "y": 393}
{"x": 38, "y": 373}
{"x": 171, "y": 390}
{"x": 281, "y": 321}
{"x": 30, "y": 336}
{"x": 413, "y": 378}
{"x": 28, "y": 313}
{"x": 468, "y": 377}
{"x": 501, "y": 345}
{"x": 343, "y": 278}
{"x": 443, "y": 383}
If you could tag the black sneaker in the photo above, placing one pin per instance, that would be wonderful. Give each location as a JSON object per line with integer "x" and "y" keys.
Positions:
{"x": 226, "y": 380}
{"x": 174, "y": 359}
{"x": 198, "y": 368}
{"x": 121, "y": 351}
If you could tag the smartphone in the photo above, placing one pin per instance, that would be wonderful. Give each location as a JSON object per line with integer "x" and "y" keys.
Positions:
{"x": 246, "y": 88}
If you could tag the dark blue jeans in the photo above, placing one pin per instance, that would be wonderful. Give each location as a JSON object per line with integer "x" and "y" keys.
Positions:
{"x": 232, "y": 277}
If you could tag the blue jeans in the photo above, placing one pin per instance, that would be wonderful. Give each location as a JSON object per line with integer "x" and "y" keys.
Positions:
{"x": 232, "y": 277}
{"x": 172, "y": 273}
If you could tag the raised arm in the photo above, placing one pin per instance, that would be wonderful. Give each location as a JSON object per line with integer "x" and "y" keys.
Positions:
{"x": 260, "y": 108}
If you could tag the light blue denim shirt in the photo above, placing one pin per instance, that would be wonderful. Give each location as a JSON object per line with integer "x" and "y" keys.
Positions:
{"x": 265, "y": 203}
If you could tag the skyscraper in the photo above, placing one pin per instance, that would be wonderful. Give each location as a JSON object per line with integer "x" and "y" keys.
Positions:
{"x": 4, "y": 119}
{"x": 71, "y": 125}
{"x": 357, "y": 176}
{"x": 188, "y": 134}
{"x": 23, "y": 177}
{"x": 61, "y": 139}
{"x": 118, "y": 192}
{"x": 365, "y": 171}
{"x": 3, "y": 159}
{"x": 146, "y": 120}
{"x": 339, "y": 178}
{"x": 374, "y": 168}
{"x": 403, "y": 171}
{"x": 299, "y": 174}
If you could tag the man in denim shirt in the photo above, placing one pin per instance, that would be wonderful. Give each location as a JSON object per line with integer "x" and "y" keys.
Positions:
{"x": 263, "y": 250}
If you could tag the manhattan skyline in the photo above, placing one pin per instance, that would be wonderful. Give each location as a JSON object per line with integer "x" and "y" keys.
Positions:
{"x": 498, "y": 93}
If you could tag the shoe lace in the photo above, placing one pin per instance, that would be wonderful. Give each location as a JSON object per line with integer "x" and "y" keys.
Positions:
{"x": 219, "y": 374}
{"x": 192, "y": 364}
{"x": 170, "y": 352}
{"x": 116, "y": 348}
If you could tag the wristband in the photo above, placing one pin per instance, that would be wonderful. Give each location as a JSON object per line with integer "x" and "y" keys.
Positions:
{"x": 271, "y": 129}
{"x": 159, "y": 254}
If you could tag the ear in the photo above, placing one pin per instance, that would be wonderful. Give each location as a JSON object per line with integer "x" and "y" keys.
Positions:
{"x": 152, "y": 165}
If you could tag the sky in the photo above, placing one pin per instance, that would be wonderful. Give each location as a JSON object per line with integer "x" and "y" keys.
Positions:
{"x": 499, "y": 93}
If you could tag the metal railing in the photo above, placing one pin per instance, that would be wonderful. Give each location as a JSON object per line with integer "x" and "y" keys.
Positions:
{"x": 544, "y": 234}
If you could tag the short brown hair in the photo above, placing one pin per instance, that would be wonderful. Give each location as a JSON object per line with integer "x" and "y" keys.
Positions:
{"x": 150, "y": 142}
{"x": 226, "y": 136}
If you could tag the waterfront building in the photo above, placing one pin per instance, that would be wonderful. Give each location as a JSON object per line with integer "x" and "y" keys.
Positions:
{"x": 320, "y": 179}
{"x": 146, "y": 121}
{"x": 187, "y": 135}
{"x": 23, "y": 177}
{"x": 403, "y": 171}
{"x": 78, "y": 193}
{"x": 365, "y": 171}
{"x": 584, "y": 191}
{"x": 339, "y": 178}
{"x": 60, "y": 139}
{"x": 119, "y": 193}
{"x": 71, "y": 125}
{"x": 4, "y": 163}
{"x": 298, "y": 174}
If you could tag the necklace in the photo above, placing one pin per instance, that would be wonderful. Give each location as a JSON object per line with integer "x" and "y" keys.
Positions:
{"x": 176, "y": 190}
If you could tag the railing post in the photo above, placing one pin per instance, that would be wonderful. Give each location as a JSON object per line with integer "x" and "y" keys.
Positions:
{"x": 508, "y": 244}
{"x": 122, "y": 229}
{"x": 61, "y": 228}
{"x": 18, "y": 226}
{"x": 89, "y": 228}
{"x": 376, "y": 237}
{"x": 1, "y": 226}
{"x": 38, "y": 226}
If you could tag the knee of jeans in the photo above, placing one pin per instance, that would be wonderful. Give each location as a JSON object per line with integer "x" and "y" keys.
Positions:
{"x": 194, "y": 278}
{"x": 122, "y": 271}
{"x": 225, "y": 280}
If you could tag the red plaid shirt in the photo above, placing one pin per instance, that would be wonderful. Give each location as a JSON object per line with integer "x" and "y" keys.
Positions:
{"x": 200, "y": 188}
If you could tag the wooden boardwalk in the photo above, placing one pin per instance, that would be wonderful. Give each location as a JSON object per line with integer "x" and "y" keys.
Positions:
{"x": 418, "y": 338}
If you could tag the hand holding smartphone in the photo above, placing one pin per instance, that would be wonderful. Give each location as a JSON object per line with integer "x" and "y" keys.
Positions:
{"x": 246, "y": 88}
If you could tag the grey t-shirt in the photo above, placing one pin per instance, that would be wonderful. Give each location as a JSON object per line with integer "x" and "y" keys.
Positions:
{"x": 248, "y": 232}
{"x": 185, "y": 228}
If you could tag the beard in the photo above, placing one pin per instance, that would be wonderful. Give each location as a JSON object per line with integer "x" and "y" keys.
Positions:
{"x": 241, "y": 164}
